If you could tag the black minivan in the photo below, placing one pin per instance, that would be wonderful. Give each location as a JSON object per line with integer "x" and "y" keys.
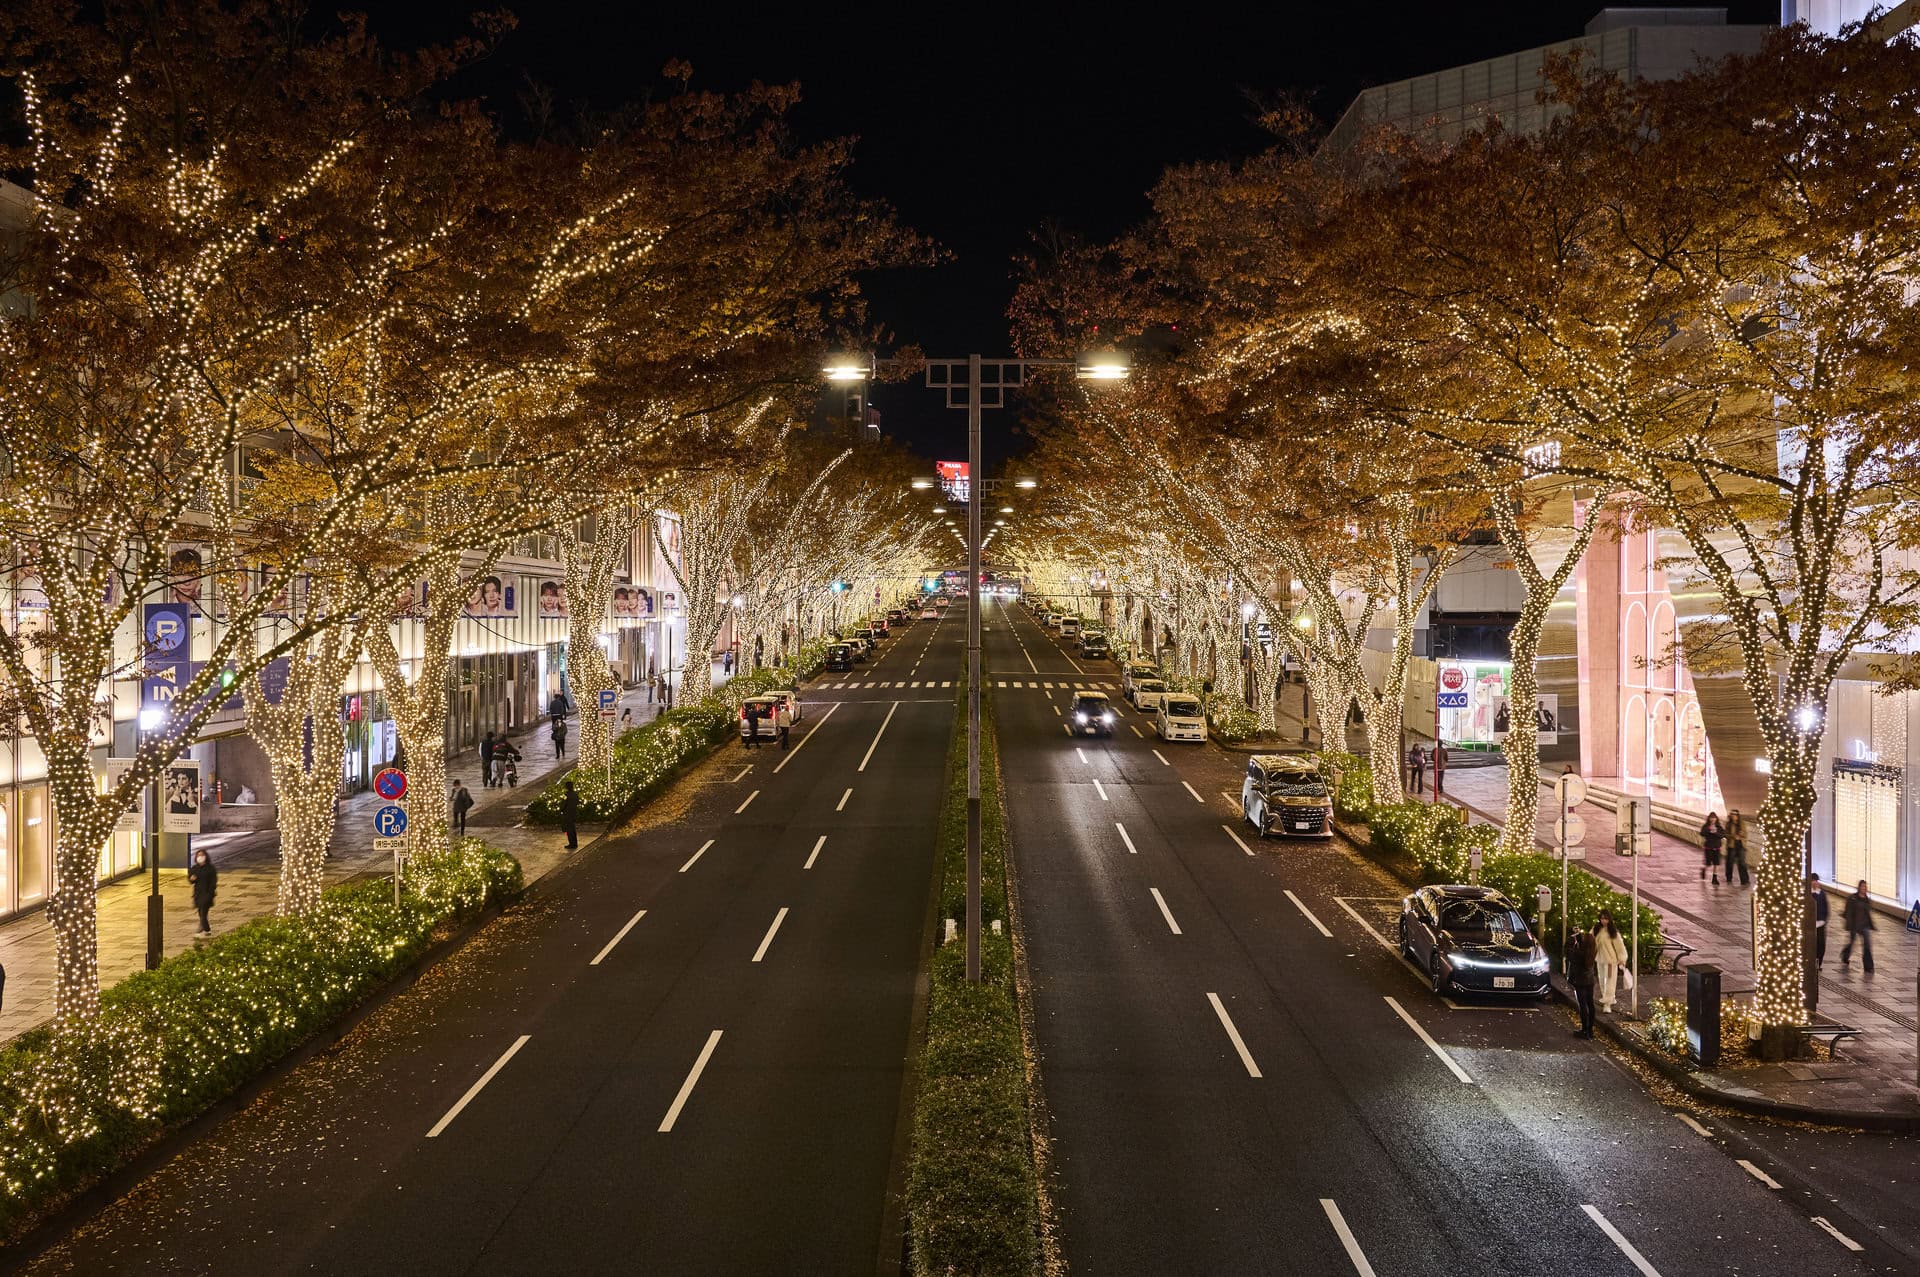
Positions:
{"x": 839, "y": 659}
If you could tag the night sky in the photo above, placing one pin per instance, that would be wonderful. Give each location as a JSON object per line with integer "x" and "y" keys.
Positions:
{"x": 982, "y": 123}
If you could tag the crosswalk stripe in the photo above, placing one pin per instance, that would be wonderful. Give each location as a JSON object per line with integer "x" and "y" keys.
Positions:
{"x": 1047, "y": 685}
{"x": 948, "y": 684}
{"x": 1000, "y": 682}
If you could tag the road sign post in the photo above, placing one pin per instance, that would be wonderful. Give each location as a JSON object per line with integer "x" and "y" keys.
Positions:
{"x": 1633, "y": 836}
{"x": 1570, "y": 791}
{"x": 390, "y": 833}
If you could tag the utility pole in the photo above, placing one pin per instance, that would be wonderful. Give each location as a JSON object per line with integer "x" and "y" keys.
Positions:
{"x": 974, "y": 484}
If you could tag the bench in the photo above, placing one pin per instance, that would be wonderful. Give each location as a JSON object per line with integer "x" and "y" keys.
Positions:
{"x": 1833, "y": 1031}
{"x": 1673, "y": 953}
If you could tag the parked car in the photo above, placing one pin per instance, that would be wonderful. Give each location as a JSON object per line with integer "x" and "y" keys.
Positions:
{"x": 1472, "y": 940}
{"x": 869, "y": 635}
{"x": 1147, "y": 692}
{"x": 1092, "y": 714}
{"x": 899, "y": 617}
{"x": 1069, "y": 627}
{"x": 840, "y": 658}
{"x": 757, "y": 718}
{"x": 791, "y": 699}
{"x": 1093, "y": 644}
{"x": 1133, "y": 671}
{"x": 1181, "y": 718}
{"x": 1286, "y": 794}
{"x": 1051, "y": 620}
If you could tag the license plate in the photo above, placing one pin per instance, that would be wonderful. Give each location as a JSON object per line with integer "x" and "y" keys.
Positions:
{"x": 1503, "y": 982}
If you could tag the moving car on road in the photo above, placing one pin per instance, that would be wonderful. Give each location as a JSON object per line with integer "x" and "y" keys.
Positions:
{"x": 1181, "y": 718}
{"x": 928, "y": 613}
{"x": 1147, "y": 692}
{"x": 1286, "y": 794}
{"x": 1472, "y": 940}
{"x": 1092, "y": 714}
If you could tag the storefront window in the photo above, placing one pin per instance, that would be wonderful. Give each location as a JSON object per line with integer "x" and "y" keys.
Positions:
{"x": 1866, "y": 827}
{"x": 1693, "y": 753}
{"x": 36, "y": 845}
{"x": 1663, "y": 745}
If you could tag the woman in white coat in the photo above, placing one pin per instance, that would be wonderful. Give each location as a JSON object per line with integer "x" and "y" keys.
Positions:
{"x": 1610, "y": 957}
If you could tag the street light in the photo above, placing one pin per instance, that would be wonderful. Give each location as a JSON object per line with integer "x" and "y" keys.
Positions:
{"x": 975, "y": 384}
{"x": 923, "y": 484}
{"x": 1006, "y": 509}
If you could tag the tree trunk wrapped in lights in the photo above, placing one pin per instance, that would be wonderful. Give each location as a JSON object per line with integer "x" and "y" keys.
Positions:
{"x": 588, "y": 566}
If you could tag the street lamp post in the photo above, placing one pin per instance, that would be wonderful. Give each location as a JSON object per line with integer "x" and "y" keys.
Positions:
{"x": 985, "y": 385}
{"x": 150, "y": 721}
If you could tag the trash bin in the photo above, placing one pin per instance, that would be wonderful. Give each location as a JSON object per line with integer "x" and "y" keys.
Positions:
{"x": 1703, "y": 1014}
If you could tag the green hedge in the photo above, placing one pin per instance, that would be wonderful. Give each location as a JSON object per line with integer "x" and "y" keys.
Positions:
{"x": 170, "y": 1042}
{"x": 972, "y": 1190}
{"x": 1436, "y": 838}
{"x": 647, "y": 758}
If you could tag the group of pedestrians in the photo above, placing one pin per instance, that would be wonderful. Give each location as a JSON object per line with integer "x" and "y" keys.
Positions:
{"x": 1856, "y": 916}
{"x": 1417, "y": 758}
{"x": 499, "y": 762}
{"x": 1597, "y": 967}
{"x": 1729, "y": 839}
{"x": 782, "y": 723}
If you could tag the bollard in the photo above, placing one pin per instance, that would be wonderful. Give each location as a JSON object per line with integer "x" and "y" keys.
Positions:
{"x": 1703, "y": 1013}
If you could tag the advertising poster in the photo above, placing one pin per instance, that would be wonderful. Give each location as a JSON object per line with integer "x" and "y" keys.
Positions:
{"x": 180, "y": 798}
{"x": 186, "y": 576}
{"x": 552, "y": 599}
{"x": 632, "y": 603}
{"x": 1546, "y": 717}
{"x": 491, "y": 597}
{"x": 954, "y": 479}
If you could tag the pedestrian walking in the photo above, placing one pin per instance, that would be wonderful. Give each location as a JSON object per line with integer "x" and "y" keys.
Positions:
{"x": 559, "y": 738}
{"x": 461, "y": 802}
{"x": 486, "y": 761}
{"x": 557, "y": 707}
{"x": 626, "y": 719}
{"x": 1737, "y": 847}
{"x": 1609, "y": 960}
{"x": 1859, "y": 923}
{"x": 570, "y": 814}
{"x": 1581, "y": 972}
{"x": 504, "y": 758}
{"x": 1440, "y": 773}
{"x": 783, "y": 720}
{"x": 1713, "y": 836}
{"x": 1817, "y": 902}
{"x": 653, "y": 686}
{"x": 750, "y": 737}
{"x": 206, "y": 880}
{"x": 1416, "y": 767}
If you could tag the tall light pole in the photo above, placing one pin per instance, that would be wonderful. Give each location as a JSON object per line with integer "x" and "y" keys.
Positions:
{"x": 985, "y": 385}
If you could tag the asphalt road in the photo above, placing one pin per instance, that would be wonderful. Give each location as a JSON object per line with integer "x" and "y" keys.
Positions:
{"x": 685, "y": 1056}
{"x": 1244, "y": 1077}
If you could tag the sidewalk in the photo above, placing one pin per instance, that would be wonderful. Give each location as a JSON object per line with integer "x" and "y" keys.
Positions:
{"x": 1875, "y": 1076}
{"x": 249, "y": 864}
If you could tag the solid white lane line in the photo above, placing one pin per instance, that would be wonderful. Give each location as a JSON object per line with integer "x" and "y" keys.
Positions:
{"x": 1196, "y": 797}
{"x": 1756, "y": 1172}
{"x": 841, "y": 805}
{"x": 1101, "y": 790}
{"x": 743, "y": 806}
{"x": 1131, "y": 849}
{"x": 1317, "y": 924}
{"x": 1354, "y": 1253}
{"x": 1162, "y": 757}
{"x": 813, "y": 855}
{"x": 1164, "y": 911}
{"x": 767, "y": 939}
{"x": 743, "y": 771}
{"x": 1226, "y": 1021}
{"x": 877, "y": 735}
{"x": 804, "y": 739}
{"x": 1228, "y": 830}
{"x": 696, "y": 855}
{"x": 1626, "y": 1247}
{"x": 1832, "y": 1232}
{"x": 1697, "y": 1128}
{"x": 686, "y": 1087}
{"x": 617, "y": 938}
{"x": 477, "y": 1087}
{"x": 1432, "y": 1046}
{"x": 1135, "y": 730}
{"x": 1081, "y": 752}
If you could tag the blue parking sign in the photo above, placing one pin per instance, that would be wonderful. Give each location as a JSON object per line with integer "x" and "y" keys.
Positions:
{"x": 390, "y": 821}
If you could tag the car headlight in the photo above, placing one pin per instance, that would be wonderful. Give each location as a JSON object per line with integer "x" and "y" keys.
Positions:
{"x": 1080, "y": 719}
{"x": 1107, "y": 719}
{"x": 1539, "y": 965}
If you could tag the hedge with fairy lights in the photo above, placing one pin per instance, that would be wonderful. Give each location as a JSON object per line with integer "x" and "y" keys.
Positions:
{"x": 170, "y": 1042}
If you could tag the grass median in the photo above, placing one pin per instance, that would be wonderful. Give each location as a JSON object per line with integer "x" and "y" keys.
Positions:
{"x": 973, "y": 1187}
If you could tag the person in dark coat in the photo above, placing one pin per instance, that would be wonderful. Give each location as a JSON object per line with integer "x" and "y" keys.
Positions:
{"x": 1859, "y": 923}
{"x": 1712, "y": 838}
{"x": 206, "y": 880}
{"x": 460, "y": 802}
{"x": 486, "y": 760}
{"x": 1416, "y": 767}
{"x": 557, "y": 707}
{"x": 1440, "y": 773}
{"x": 750, "y": 737}
{"x": 1737, "y": 848}
{"x": 1582, "y": 970}
{"x": 570, "y": 814}
{"x": 1817, "y": 901}
{"x": 559, "y": 738}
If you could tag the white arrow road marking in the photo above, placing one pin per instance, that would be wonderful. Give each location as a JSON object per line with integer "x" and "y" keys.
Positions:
{"x": 1226, "y": 1021}
{"x": 1164, "y": 911}
{"x": 477, "y": 1087}
{"x": 1354, "y": 1253}
{"x": 686, "y": 1087}
{"x": 1432, "y": 1046}
{"x": 618, "y": 937}
{"x": 1626, "y": 1247}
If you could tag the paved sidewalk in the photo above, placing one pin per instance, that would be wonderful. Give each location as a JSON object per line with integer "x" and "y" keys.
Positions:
{"x": 1876, "y": 1074}
{"x": 249, "y": 864}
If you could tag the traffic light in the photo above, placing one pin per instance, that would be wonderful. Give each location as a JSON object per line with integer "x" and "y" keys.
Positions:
{"x": 838, "y": 587}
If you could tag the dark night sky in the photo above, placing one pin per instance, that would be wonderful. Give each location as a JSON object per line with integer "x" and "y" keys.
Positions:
{"x": 980, "y": 123}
